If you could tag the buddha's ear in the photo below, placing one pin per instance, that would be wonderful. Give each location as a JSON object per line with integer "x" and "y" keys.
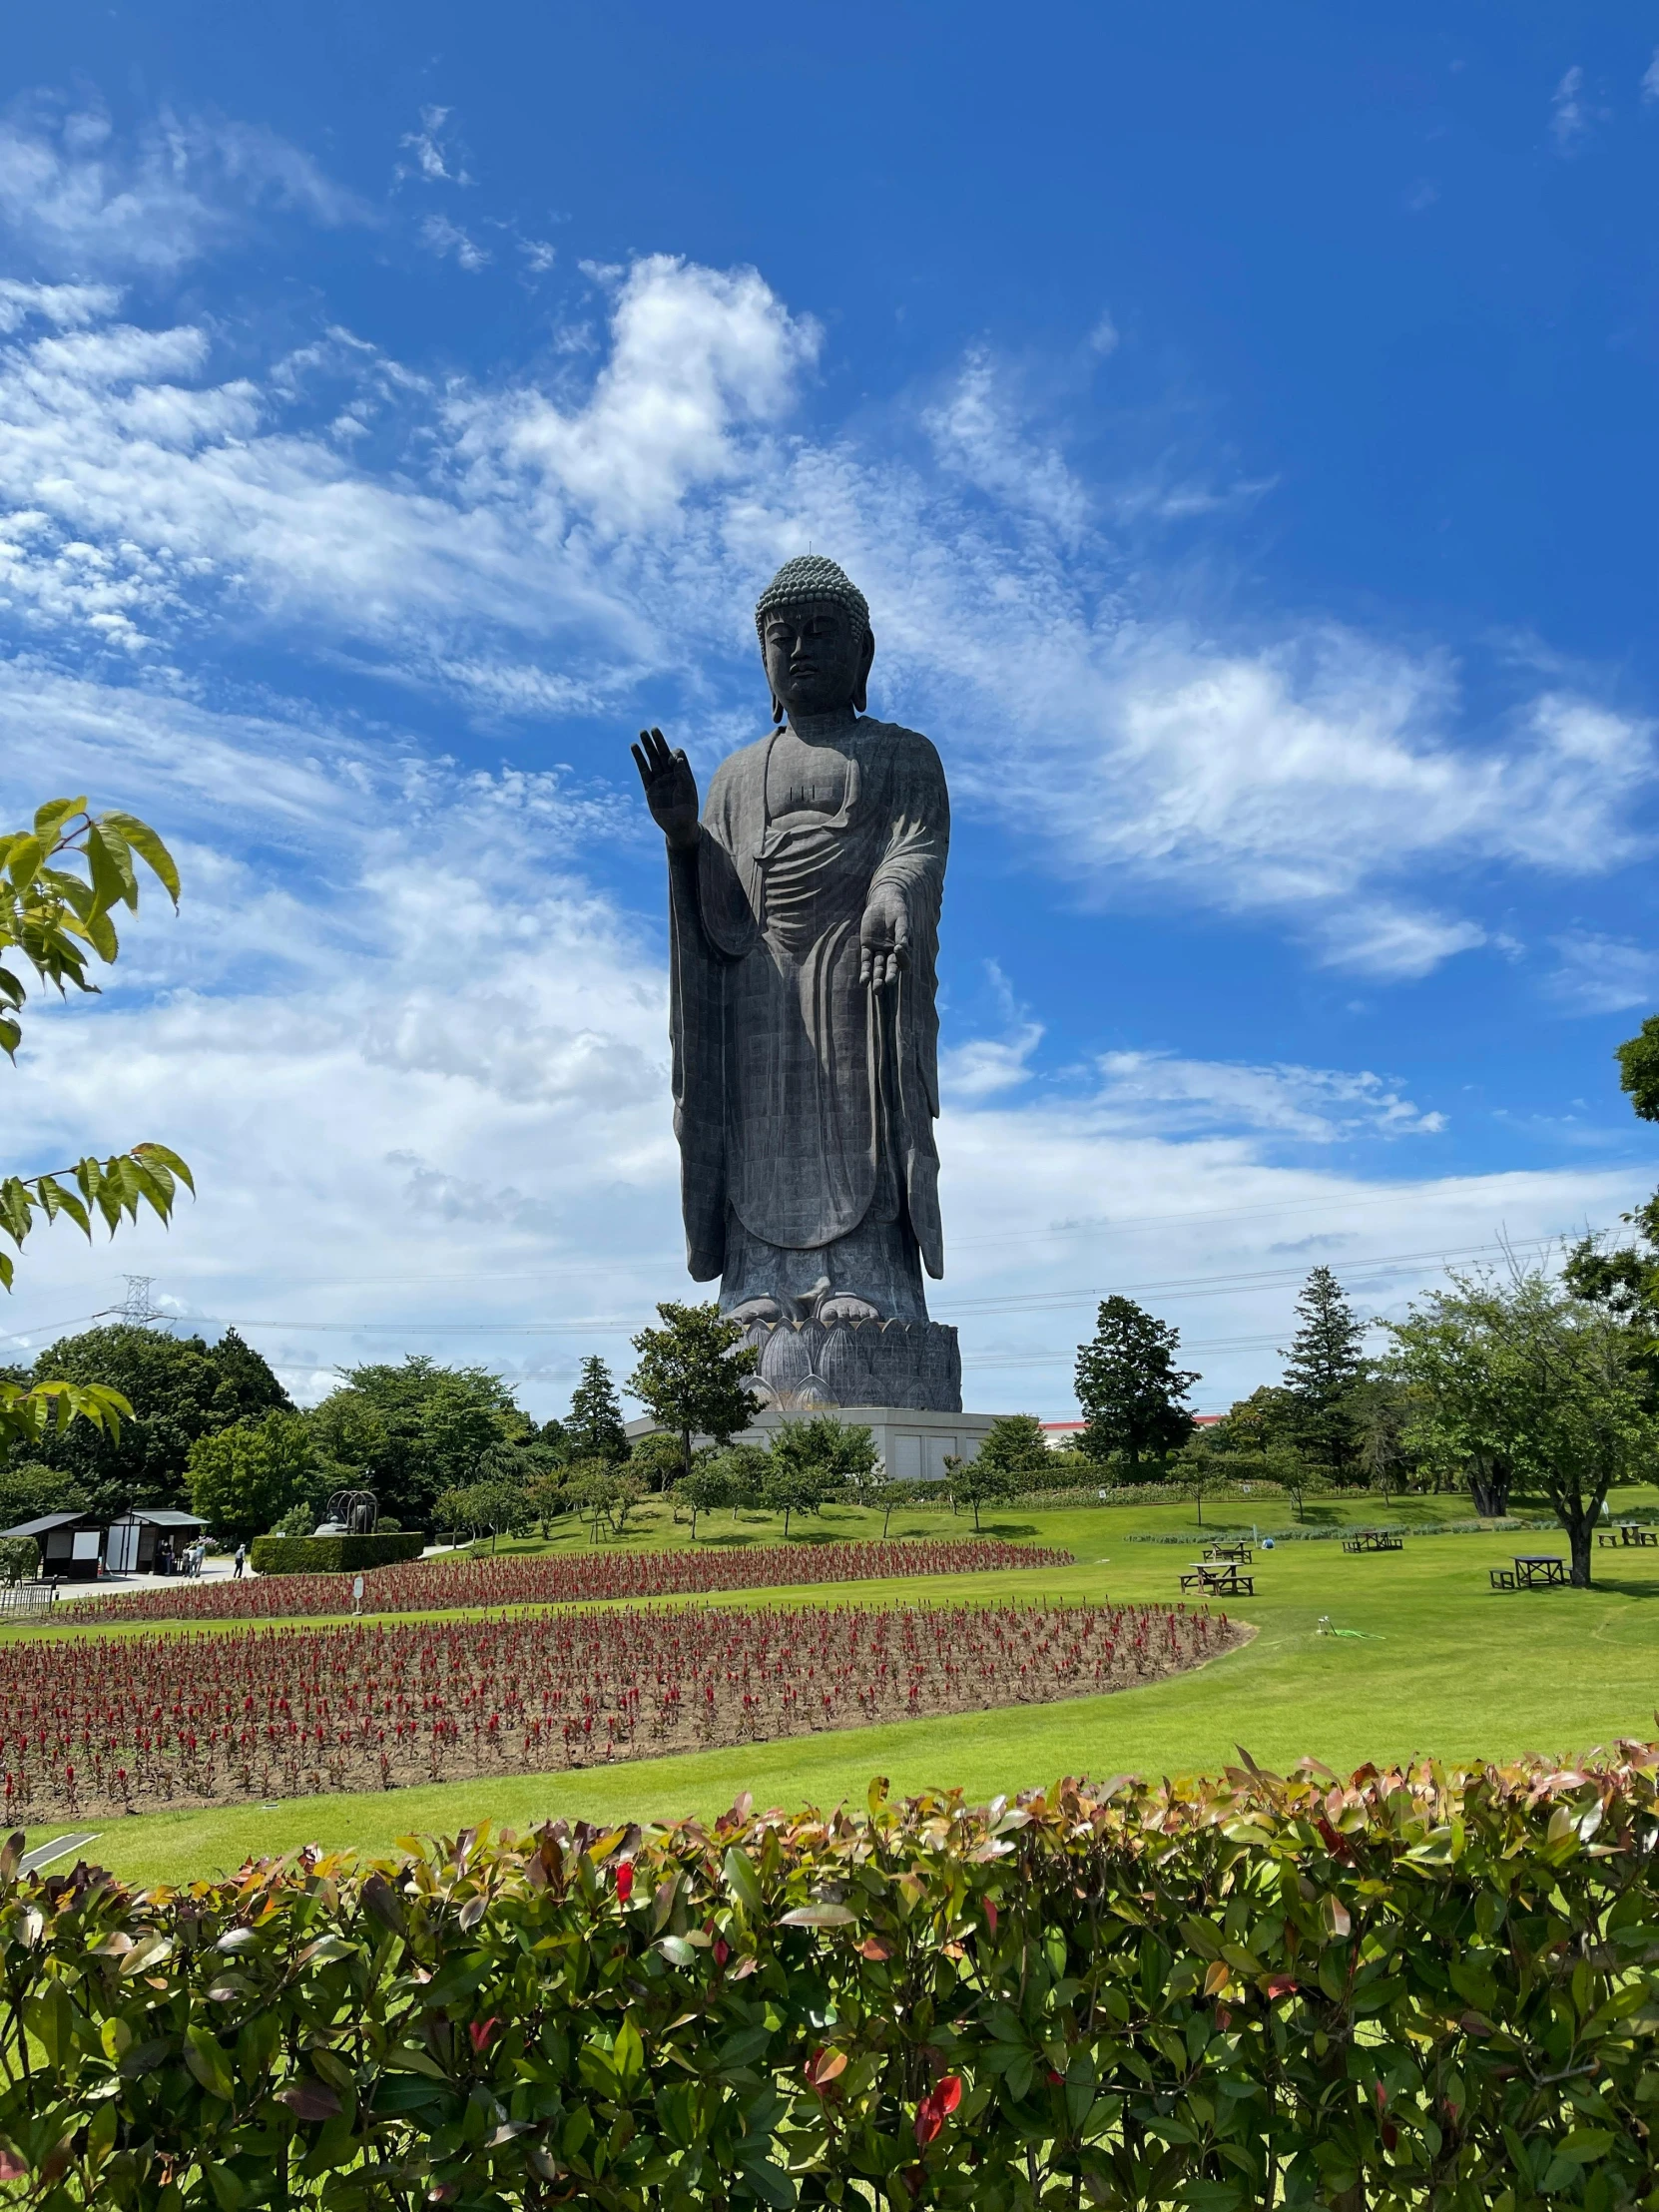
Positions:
{"x": 777, "y": 711}
{"x": 865, "y": 658}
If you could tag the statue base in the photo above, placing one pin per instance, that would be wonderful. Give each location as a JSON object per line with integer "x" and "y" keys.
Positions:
{"x": 809, "y": 1367}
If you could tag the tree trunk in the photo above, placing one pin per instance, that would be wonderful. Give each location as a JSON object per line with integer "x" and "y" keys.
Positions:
{"x": 1489, "y": 1489}
{"x": 1581, "y": 1532}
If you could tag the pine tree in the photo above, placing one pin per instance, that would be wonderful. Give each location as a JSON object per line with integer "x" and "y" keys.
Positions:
{"x": 595, "y": 1429}
{"x": 1321, "y": 1367}
{"x": 1130, "y": 1389}
{"x": 691, "y": 1374}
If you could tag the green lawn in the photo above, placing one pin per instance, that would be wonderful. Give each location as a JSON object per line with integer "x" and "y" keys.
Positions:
{"x": 1441, "y": 1666}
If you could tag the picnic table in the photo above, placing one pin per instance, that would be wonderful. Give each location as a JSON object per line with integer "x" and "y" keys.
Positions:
{"x": 1220, "y": 1577}
{"x": 1373, "y": 1539}
{"x": 1532, "y": 1570}
{"x": 1628, "y": 1532}
{"x": 1237, "y": 1550}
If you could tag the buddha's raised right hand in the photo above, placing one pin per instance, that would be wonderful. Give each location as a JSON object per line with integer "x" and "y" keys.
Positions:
{"x": 670, "y": 788}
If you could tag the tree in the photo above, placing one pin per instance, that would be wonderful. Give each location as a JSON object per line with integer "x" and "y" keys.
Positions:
{"x": 595, "y": 1429}
{"x": 1299, "y": 1477}
{"x": 1380, "y": 1410}
{"x": 488, "y": 1505}
{"x": 1524, "y": 1371}
{"x": 174, "y": 1389}
{"x": 1201, "y": 1466}
{"x": 691, "y": 1374}
{"x": 55, "y": 920}
{"x": 1130, "y": 1389}
{"x": 1321, "y": 1367}
{"x": 1016, "y": 1445}
{"x": 30, "y": 1489}
{"x": 1638, "y": 1059}
{"x": 243, "y": 1478}
{"x": 971, "y": 1483}
{"x": 414, "y": 1429}
{"x": 706, "y": 1488}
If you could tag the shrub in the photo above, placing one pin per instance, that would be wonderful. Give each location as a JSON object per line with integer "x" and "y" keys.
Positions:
{"x": 334, "y": 1554}
{"x": 1420, "y": 1988}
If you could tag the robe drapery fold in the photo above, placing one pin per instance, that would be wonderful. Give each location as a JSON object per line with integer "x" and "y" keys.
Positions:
{"x": 805, "y": 1100}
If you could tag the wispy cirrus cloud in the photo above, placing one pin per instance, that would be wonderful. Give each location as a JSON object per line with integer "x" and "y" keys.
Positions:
{"x": 81, "y": 200}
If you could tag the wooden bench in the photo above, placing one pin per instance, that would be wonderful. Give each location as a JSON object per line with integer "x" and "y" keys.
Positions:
{"x": 1373, "y": 1539}
{"x": 1628, "y": 1532}
{"x": 1239, "y": 1554}
{"x": 1218, "y": 1580}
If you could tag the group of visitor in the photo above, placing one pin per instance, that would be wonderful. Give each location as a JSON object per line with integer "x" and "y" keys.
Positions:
{"x": 187, "y": 1561}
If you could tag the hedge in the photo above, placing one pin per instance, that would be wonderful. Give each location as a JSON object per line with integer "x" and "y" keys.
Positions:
{"x": 334, "y": 1554}
{"x": 1417, "y": 1987}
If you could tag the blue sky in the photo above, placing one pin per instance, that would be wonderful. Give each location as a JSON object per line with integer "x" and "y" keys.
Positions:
{"x": 1241, "y": 426}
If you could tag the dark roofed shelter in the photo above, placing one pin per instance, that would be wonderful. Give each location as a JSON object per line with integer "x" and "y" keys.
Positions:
{"x": 73, "y": 1546}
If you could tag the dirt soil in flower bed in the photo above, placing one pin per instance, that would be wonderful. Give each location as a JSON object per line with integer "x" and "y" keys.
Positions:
{"x": 99, "y": 1726}
{"x": 444, "y": 1585}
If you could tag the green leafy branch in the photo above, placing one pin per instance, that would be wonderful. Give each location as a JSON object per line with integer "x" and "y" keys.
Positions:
{"x": 59, "y": 919}
{"x": 149, "y": 1175}
{"x": 29, "y": 1416}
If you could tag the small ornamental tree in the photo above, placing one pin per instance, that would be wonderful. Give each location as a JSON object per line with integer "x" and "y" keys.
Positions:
{"x": 705, "y": 1490}
{"x": 691, "y": 1374}
{"x": 972, "y": 1483}
{"x": 595, "y": 1429}
{"x": 243, "y": 1478}
{"x": 1321, "y": 1367}
{"x": 1130, "y": 1390}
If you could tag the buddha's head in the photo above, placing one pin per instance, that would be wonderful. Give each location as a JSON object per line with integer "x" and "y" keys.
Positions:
{"x": 816, "y": 639}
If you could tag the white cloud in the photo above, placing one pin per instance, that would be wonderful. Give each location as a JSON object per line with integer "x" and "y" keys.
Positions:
{"x": 433, "y": 162}
{"x": 539, "y": 549}
{"x": 84, "y": 201}
{"x": 441, "y": 236}
{"x": 1154, "y": 1090}
{"x": 1603, "y": 975}
{"x": 697, "y": 357}
{"x": 1105, "y": 337}
{"x": 1650, "y": 80}
{"x": 1572, "y": 119}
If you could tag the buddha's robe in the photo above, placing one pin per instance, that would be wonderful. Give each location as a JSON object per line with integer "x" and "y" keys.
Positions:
{"x": 805, "y": 1100}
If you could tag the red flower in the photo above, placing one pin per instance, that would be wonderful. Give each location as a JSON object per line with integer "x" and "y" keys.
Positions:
{"x": 481, "y": 2032}
{"x": 624, "y": 1882}
{"x": 935, "y": 2108}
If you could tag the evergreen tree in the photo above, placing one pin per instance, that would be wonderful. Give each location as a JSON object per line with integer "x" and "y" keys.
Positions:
{"x": 1321, "y": 1367}
{"x": 412, "y": 1429}
{"x": 1016, "y": 1447}
{"x": 691, "y": 1374}
{"x": 1130, "y": 1389}
{"x": 594, "y": 1429}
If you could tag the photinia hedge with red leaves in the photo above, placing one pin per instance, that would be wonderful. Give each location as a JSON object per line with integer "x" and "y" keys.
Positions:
{"x": 443, "y": 1585}
{"x": 1414, "y": 1988}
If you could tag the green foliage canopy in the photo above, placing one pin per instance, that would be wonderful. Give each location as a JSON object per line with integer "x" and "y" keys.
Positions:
{"x": 1131, "y": 1391}
{"x": 245, "y": 1478}
{"x": 692, "y": 1372}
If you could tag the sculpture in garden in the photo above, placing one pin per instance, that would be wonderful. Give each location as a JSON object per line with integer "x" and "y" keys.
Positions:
{"x": 804, "y": 908}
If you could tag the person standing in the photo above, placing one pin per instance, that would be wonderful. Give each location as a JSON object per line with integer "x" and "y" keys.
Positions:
{"x": 241, "y": 1562}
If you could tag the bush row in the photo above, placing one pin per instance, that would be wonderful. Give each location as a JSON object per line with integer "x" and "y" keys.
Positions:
{"x": 1415, "y": 1987}
{"x": 336, "y": 1554}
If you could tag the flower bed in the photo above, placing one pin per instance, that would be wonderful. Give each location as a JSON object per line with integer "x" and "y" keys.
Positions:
{"x": 1422, "y": 1989}
{"x": 97, "y": 1725}
{"x": 441, "y": 1585}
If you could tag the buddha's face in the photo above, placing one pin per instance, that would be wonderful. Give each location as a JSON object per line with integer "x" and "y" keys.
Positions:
{"x": 814, "y": 661}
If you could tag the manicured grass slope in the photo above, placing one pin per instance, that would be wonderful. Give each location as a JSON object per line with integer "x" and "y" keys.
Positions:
{"x": 1442, "y": 1666}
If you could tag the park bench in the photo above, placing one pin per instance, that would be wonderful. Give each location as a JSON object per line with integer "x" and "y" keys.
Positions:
{"x": 1628, "y": 1532}
{"x": 1238, "y": 1551}
{"x": 1532, "y": 1570}
{"x": 1373, "y": 1539}
{"x": 1218, "y": 1578}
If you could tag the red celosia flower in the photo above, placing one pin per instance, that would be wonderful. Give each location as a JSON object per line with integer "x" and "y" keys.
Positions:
{"x": 624, "y": 1882}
